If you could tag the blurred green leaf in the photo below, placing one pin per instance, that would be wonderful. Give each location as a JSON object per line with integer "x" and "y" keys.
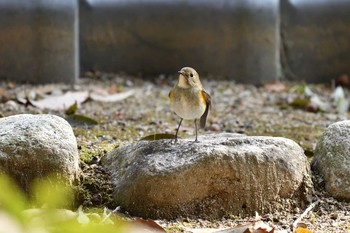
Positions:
{"x": 51, "y": 193}
{"x": 298, "y": 88}
{"x": 12, "y": 199}
{"x": 158, "y": 136}
{"x": 300, "y": 103}
{"x": 81, "y": 120}
{"x": 72, "y": 109}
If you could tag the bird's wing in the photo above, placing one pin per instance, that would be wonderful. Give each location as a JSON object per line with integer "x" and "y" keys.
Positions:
{"x": 207, "y": 100}
{"x": 171, "y": 93}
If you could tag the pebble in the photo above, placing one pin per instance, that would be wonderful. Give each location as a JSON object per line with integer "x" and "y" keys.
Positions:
{"x": 296, "y": 210}
{"x": 11, "y": 105}
{"x": 334, "y": 216}
{"x": 215, "y": 127}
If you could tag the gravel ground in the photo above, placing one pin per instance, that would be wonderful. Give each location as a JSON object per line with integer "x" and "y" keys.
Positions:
{"x": 248, "y": 109}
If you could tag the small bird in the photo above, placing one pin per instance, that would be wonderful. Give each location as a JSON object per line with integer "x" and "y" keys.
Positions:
{"x": 189, "y": 100}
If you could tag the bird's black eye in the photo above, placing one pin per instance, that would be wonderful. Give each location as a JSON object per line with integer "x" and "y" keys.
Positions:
{"x": 191, "y": 75}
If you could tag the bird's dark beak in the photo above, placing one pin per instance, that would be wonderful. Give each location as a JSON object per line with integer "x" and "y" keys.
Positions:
{"x": 182, "y": 73}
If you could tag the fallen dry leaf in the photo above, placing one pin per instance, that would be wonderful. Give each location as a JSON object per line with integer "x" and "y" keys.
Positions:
{"x": 213, "y": 230}
{"x": 49, "y": 89}
{"x": 26, "y": 96}
{"x": 302, "y": 230}
{"x": 11, "y": 84}
{"x": 113, "y": 89}
{"x": 276, "y": 87}
{"x": 150, "y": 224}
{"x": 103, "y": 97}
{"x": 261, "y": 227}
{"x": 257, "y": 227}
{"x": 343, "y": 80}
{"x": 61, "y": 102}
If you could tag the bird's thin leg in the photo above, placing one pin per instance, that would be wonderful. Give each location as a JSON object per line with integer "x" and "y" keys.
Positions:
{"x": 195, "y": 123}
{"x": 178, "y": 130}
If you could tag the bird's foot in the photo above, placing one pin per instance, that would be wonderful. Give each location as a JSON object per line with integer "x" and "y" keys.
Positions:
{"x": 174, "y": 141}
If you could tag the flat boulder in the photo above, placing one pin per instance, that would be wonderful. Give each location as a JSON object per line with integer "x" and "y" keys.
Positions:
{"x": 221, "y": 175}
{"x": 34, "y": 146}
{"x": 332, "y": 159}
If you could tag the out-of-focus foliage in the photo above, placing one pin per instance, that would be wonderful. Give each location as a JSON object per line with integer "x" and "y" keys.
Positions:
{"x": 312, "y": 101}
{"x": 12, "y": 200}
{"x": 44, "y": 211}
{"x": 158, "y": 136}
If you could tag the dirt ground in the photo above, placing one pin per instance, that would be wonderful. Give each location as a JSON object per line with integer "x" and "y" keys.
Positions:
{"x": 279, "y": 109}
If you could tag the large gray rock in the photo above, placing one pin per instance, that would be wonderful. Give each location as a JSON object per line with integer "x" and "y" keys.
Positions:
{"x": 222, "y": 174}
{"x": 332, "y": 159}
{"x": 33, "y": 146}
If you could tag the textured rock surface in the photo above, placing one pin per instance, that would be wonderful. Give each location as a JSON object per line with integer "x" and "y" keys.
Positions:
{"x": 33, "y": 146}
{"x": 332, "y": 159}
{"x": 222, "y": 174}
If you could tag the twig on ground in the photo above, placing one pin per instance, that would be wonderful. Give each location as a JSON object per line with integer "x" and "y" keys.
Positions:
{"x": 109, "y": 214}
{"x": 308, "y": 209}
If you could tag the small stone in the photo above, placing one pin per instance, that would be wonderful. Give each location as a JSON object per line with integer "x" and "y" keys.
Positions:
{"x": 129, "y": 83}
{"x": 11, "y": 105}
{"x": 215, "y": 127}
{"x": 296, "y": 210}
{"x": 334, "y": 216}
{"x": 302, "y": 225}
{"x": 105, "y": 138}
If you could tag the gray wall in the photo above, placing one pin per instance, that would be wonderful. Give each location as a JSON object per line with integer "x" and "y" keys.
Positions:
{"x": 316, "y": 39}
{"x": 232, "y": 39}
{"x": 39, "y": 40}
{"x": 250, "y": 41}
